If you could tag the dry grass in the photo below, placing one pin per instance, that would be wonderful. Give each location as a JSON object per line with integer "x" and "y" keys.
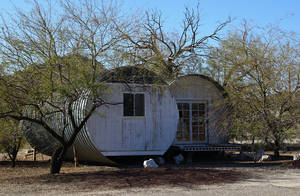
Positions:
{"x": 34, "y": 178}
{"x": 27, "y": 178}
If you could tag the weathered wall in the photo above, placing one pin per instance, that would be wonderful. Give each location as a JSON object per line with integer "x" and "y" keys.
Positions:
{"x": 114, "y": 134}
{"x": 196, "y": 88}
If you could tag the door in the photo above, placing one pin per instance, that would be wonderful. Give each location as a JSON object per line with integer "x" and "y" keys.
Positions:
{"x": 134, "y": 121}
{"x": 192, "y": 122}
{"x": 134, "y": 134}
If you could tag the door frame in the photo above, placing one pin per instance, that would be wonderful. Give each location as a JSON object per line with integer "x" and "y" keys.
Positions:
{"x": 190, "y": 101}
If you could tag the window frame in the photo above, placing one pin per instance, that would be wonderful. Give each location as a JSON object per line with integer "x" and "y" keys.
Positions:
{"x": 206, "y": 123}
{"x": 134, "y": 105}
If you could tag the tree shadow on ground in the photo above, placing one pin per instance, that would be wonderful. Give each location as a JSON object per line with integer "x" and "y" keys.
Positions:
{"x": 137, "y": 178}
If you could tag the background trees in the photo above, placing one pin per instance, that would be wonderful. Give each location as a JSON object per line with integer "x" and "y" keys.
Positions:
{"x": 11, "y": 138}
{"x": 261, "y": 72}
{"x": 51, "y": 63}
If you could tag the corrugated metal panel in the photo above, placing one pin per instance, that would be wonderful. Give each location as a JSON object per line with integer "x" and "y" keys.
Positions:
{"x": 40, "y": 139}
{"x": 83, "y": 143}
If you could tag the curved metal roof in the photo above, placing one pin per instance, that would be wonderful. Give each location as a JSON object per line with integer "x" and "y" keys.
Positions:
{"x": 216, "y": 84}
{"x": 131, "y": 74}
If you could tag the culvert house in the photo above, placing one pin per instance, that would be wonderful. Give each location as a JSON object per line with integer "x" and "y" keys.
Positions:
{"x": 144, "y": 123}
{"x": 151, "y": 116}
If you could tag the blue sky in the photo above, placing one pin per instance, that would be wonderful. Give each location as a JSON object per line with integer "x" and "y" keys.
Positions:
{"x": 284, "y": 13}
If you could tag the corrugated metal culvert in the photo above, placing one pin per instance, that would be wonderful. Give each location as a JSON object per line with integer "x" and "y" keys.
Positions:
{"x": 45, "y": 143}
{"x": 110, "y": 131}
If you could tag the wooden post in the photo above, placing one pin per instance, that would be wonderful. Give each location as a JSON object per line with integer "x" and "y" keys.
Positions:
{"x": 75, "y": 157}
{"x": 34, "y": 155}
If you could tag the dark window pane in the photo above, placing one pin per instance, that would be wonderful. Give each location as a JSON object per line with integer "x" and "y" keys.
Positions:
{"x": 180, "y": 114}
{"x": 139, "y": 105}
{"x": 186, "y": 114}
{"x": 195, "y": 114}
{"x": 195, "y": 106}
{"x": 202, "y": 114}
{"x": 195, "y": 129}
{"x": 202, "y": 137}
{"x": 179, "y": 106}
{"x": 186, "y": 131}
{"x": 186, "y": 121}
{"x": 128, "y": 104}
{"x": 202, "y": 130}
{"x": 185, "y": 106}
{"x": 195, "y": 122}
{"x": 202, "y": 106}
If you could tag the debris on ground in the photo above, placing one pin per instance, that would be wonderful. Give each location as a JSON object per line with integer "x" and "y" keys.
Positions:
{"x": 296, "y": 157}
{"x": 160, "y": 160}
{"x": 150, "y": 164}
{"x": 258, "y": 156}
{"x": 265, "y": 158}
{"x": 178, "y": 159}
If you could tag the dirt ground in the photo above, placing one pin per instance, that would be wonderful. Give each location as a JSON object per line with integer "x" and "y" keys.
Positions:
{"x": 197, "y": 179}
{"x": 30, "y": 179}
{"x": 205, "y": 178}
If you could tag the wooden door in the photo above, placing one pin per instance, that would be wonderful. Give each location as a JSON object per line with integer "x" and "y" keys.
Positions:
{"x": 134, "y": 137}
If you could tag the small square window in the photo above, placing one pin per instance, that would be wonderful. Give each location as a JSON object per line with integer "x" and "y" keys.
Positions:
{"x": 128, "y": 104}
{"x": 133, "y": 104}
{"x": 139, "y": 105}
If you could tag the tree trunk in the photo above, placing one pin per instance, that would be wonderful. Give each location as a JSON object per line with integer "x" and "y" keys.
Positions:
{"x": 13, "y": 155}
{"x": 252, "y": 149}
{"x": 34, "y": 155}
{"x": 75, "y": 154}
{"x": 13, "y": 161}
{"x": 57, "y": 160}
{"x": 276, "y": 148}
{"x": 276, "y": 153}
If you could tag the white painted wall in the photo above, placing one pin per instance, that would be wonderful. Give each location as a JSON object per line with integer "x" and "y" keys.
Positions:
{"x": 196, "y": 88}
{"x": 152, "y": 134}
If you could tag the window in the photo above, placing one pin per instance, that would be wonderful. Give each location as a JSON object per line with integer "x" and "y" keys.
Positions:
{"x": 192, "y": 122}
{"x": 134, "y": 104}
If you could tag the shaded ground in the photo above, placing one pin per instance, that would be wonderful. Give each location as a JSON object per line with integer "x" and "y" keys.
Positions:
{"x": 265, "y": 181}
{"x": 197, "y": 179}
{"x": 295, "y": 164}
{"x": 88, "y": 178}
{"x": 279, "y": 177}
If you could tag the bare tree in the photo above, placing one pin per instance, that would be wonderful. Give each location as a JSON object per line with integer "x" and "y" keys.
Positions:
{"x": 170, "y": 54}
